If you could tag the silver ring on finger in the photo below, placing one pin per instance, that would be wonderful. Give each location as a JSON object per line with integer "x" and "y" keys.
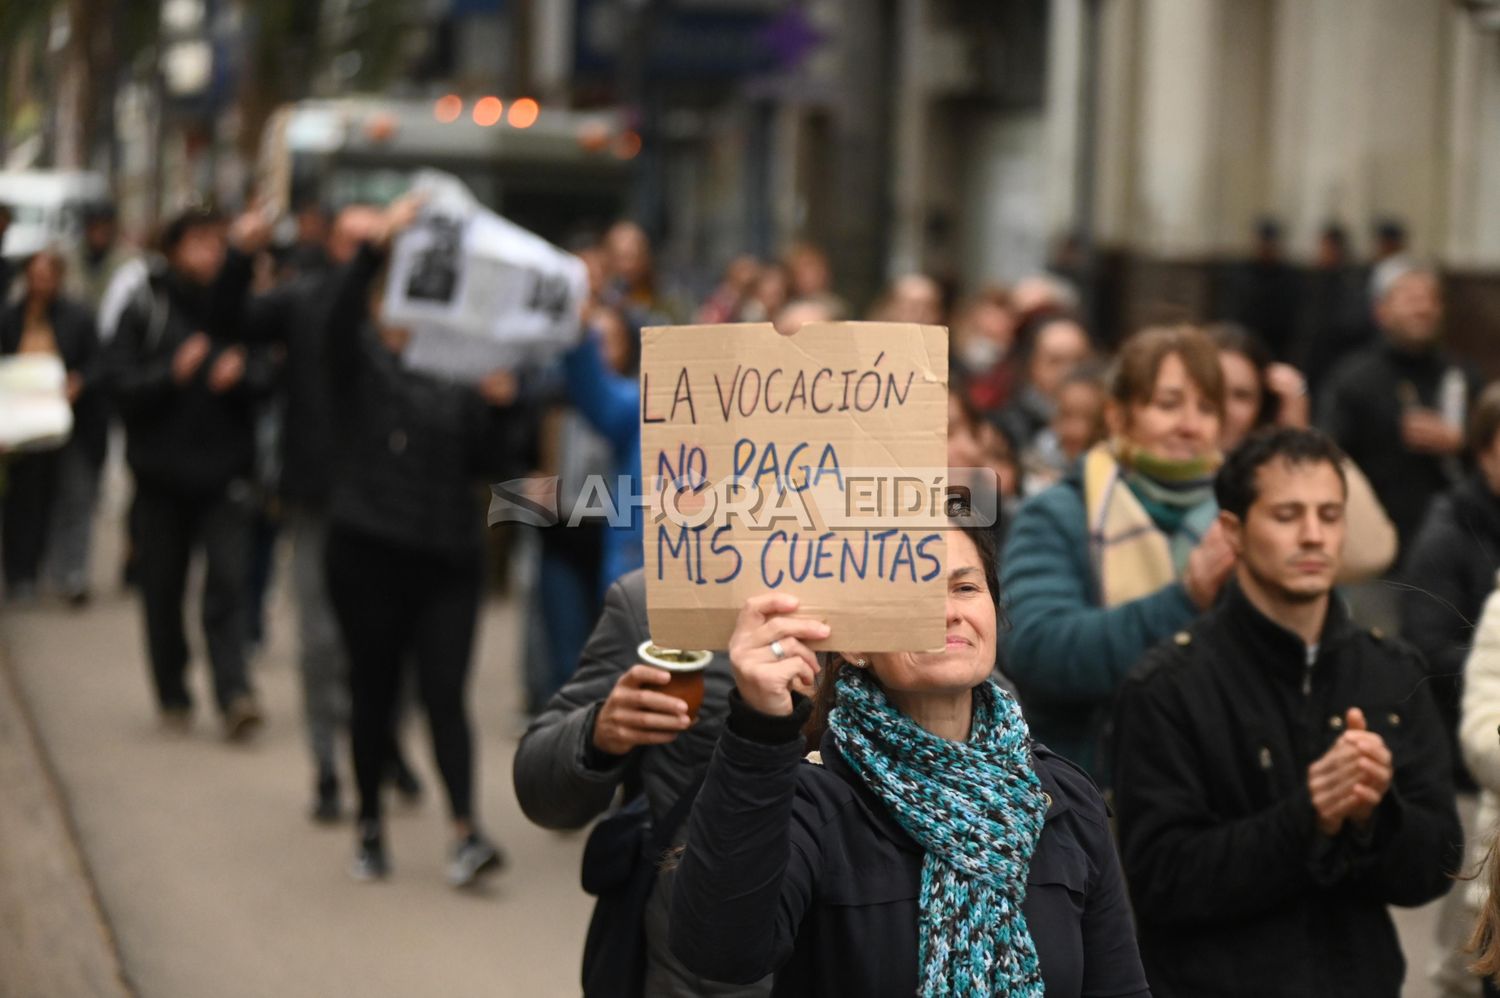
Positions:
{"x": 778, "y": 650}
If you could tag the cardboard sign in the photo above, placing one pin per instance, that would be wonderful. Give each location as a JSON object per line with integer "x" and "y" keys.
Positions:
{"x": 813, "y": 464}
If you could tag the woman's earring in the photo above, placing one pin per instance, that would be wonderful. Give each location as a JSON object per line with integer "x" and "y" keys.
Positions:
{"x": 858, "y": 663}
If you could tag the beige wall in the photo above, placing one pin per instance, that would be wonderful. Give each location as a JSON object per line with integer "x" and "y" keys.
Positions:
{"x": 1215, "y": 112}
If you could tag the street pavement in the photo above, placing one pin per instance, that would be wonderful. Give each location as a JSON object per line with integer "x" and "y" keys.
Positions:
{"x": 212, "y": 878}
{"x": 214, "y": 882}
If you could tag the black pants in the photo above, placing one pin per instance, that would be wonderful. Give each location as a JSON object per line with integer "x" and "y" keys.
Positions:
{"x": 395, "y": 603}
{"x": 171, "y": 526}
{"x": 30, "y": 487}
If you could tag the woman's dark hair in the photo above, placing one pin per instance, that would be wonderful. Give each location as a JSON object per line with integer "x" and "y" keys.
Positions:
{"x": 986, "y": 540}
{"x": 186, "y": 221}
{"x": 1484, "y": 419}
{"x": 1234, "y": 485}
{"x": 1231, "y": 337}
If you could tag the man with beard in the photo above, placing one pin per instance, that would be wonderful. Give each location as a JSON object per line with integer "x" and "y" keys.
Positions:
{"x": 1280, "y": 776}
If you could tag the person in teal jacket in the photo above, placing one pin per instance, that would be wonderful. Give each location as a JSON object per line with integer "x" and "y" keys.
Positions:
{"x": 1125, "y": 551}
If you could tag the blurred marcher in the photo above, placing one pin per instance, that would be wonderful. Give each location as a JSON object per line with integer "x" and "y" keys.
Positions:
{"x": 1126, "y": 549}
{"x": 984, "y": 333}
{"x": 633, "y": 285}
{"x": 308, "y": 254}
{"x": 1260, "y": 392}
{"x": 610, "y": 728}
{"x": 1450, "y": 568}
{"x": 186, "y": 388}
{"x": 1042, "y": 294}
{"x": 1054, "y": 347}
{"x": 808, "y": 272}
{"x": 726, "y": 301}
{"x": 983, "y": 459}
{"x": 1335, "y": 314}
{"x": 1481, "y": 751}
{"x": 611, "y": 402}
{"x": 800, "y": 311}
{"x": 569, "y": 590}
{"x": 1398, "y": 408}
{"x": 405, "y": 548}
{"x": 929, "y": 846}
{"x": 1078, "y": 424}
{"x": 1389, "y": 257}
{"x": 1281, "y": 777}
{"x": 911, "y": 298}
{"x": 294, "y": 316}
{"x": 1266, "y": 291}
{"x": 768, "y": 296}
{"x": 92, "y": 264}
{"x": 50, "y": 496}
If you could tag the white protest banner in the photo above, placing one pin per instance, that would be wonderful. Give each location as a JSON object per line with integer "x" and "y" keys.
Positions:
{"x": 477, "y": 291}
{"x": 34, "y": 409}
{"x": 814, "y": 464}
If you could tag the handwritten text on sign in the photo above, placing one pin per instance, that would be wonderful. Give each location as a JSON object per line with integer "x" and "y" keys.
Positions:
{"x": 814, "y": 463}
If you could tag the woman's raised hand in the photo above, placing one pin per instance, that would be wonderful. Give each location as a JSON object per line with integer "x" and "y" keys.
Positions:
{"x": 768, "y": 652}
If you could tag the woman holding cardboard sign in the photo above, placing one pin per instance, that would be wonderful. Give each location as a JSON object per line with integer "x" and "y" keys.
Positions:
{"x": 928, "y": 848}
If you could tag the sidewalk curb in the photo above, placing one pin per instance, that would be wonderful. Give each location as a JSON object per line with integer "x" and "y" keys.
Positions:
{"x": 56, "y": 938}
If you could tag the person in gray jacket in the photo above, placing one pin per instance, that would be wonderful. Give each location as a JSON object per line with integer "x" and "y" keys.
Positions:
{"x": 610, "y": 727}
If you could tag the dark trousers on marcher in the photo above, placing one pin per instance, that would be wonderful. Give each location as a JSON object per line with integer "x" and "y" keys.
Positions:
{"x": 393, "y": 604}
{"x": 30, "y": 489}
{"x": 172, "y": 526}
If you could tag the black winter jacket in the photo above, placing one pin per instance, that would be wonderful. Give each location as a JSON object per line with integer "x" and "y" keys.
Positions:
{"x": 411, "y": 449}
{"x": 1361, "y": 409}
{"x": 1236, "y": 891}
{"x": 295, "y": 316}
{"x": 1451, "y": 567}
{"x": 562, "y": 781}
{"x": 186, "y": 438}
{"x": 799, "y": 869}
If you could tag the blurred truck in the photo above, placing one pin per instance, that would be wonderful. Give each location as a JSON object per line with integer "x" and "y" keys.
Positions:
{"x": 555, "y": 172}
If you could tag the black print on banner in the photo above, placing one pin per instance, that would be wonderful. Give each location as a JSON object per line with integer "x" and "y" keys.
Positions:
{"x": 549, "y": 295}
{"x": 434, "y": 273}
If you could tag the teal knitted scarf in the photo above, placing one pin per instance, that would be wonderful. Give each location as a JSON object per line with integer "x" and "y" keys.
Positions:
{"x": 976, "y": 808}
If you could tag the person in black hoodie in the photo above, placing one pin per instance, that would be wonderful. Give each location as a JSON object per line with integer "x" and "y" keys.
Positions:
{"x": 404, "y": 551}
{"x": 295, "y": 316}
{"x": 49, "y": 502}
{"x": 1281, "y": 777}
{"x": 1398, "y": 407}
{"x": 186, "y": 387}
{"x": 1451, "y": 567}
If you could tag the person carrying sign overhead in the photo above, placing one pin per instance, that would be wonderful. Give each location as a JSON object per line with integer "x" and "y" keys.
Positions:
{"x": 404, "y": 550}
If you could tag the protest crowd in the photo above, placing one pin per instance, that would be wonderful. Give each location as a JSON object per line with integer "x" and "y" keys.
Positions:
{"x": 1212, "y": 688}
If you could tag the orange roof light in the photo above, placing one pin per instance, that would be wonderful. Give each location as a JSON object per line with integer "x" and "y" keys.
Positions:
{"x": 448, "y": 108}
{"x": 524, "y": 112}
{"x": 628, "y": 145}
{"x": 487, "y": 111}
